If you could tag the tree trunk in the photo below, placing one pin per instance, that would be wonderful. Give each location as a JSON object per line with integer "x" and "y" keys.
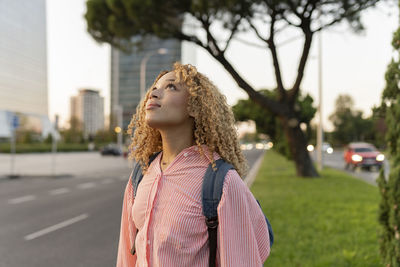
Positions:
{"x": 298, "y": 148}
{"x": 295, "y": 136}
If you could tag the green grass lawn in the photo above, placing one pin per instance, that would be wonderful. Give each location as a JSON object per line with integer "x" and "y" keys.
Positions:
{"x": 327, "y": 221}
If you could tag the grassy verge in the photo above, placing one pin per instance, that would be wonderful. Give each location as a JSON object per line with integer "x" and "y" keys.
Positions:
{"x": 329, "y": 221}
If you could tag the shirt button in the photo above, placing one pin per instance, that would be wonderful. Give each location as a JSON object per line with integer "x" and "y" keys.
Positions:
{"x": 148, "y": 242}
{"x": 185, "y": 154}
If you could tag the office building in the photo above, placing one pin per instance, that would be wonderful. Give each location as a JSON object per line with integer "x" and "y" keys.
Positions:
{"x": 88, "y": 109}
{"x": 125, "y": 74}
{"x": 23, "y": 67}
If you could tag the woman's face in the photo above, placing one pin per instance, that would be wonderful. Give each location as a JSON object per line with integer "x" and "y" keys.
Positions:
{"x": 167, "y": 105}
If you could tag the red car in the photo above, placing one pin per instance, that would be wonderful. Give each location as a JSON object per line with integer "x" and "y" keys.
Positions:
{"x": 362, "y": 155}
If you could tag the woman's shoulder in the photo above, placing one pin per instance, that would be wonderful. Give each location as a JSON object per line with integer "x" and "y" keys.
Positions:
{"x": 233, "y": 181}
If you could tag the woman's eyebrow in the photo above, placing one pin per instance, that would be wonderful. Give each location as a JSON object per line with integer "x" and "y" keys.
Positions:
{"x": 171, "y": 80}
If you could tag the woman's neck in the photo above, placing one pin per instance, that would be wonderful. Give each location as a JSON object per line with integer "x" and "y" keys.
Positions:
{"x": 173, "y": 142}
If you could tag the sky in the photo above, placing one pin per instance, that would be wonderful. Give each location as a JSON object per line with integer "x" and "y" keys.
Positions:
{"x": 352, "y": 63}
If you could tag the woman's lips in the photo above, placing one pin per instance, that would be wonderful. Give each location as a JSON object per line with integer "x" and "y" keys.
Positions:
{"x": 152, "y": 106}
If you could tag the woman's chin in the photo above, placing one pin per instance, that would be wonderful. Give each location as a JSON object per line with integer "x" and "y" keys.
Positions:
{"x": 153, "y": 123}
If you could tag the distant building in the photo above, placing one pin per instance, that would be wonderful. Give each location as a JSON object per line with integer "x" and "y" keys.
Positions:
{"x": 125, "y": 74}
{"x": 23, "y": 67}
{"x": 88, "y": 108}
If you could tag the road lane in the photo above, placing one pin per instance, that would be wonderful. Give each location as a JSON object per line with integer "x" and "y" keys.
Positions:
{"x": 336, "y": 161}
{"x": 21, "y": 199}
{"x": 56, "y": 227}
{"x": 103, "y": 203}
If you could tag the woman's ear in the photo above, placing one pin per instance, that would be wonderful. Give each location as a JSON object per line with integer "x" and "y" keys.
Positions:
{"x": 191, "y": 113}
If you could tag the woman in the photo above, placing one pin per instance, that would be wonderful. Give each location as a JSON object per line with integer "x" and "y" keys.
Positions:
{"x": 184, "y": 116}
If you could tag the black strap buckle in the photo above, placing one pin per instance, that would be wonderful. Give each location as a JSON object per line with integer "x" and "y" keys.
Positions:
{"x": 212, "y": 223}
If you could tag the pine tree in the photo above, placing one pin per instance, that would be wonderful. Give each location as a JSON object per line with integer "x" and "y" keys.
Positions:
{"x": 389, "y": 210}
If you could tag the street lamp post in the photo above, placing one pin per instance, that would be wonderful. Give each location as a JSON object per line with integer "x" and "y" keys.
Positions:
{"x": 118, "y": 109}
{"x": 320, "y": 131}
{"x": 160, "y": 51}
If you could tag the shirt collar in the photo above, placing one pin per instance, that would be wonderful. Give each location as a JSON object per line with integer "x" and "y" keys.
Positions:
{"x": 188, "y": 151}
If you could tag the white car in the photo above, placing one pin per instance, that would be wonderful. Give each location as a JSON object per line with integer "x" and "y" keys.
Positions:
{"x": 327, "y": 148}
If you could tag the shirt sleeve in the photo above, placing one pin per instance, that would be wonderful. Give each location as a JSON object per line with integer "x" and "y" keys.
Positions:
{"x": 243, "y": 238}
{"x": 127, "y": 231}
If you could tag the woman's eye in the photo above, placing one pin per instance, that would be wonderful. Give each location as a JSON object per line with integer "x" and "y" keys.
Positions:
{"x": 171, "y": 86}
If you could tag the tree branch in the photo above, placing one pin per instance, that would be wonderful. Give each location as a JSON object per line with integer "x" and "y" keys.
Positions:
{"x": 310, "y": 7}
{"x": 274, "y": 106}
{"x": 271, "y": 44}
{"x": 256, "y": 32}
{"x": 289, "y": 22}
{"x": 190, "y": 38}
{"x": 344, "y": 15}
{"x": 249, "y": 43}
{"x": 233, "y": 31}
{"x": 300, "y": 71}
{"x": 264, "y": 101}
{"x": 275, "y": 60}
{"x": 212, "y": 46}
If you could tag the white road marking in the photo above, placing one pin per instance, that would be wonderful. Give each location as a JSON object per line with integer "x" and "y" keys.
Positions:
{"x": 86, "y": 185}
{"x": 56, "y": 227}
{"x": 59, "y": 191}
{"x": 21, "y": 199}
{"x": 107, "y": 181}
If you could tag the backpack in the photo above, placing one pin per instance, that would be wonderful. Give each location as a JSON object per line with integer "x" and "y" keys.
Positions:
{"x": 213, "y": 182}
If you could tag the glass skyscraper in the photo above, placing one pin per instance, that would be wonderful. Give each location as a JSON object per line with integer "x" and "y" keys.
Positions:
{"x": 125, "y": 74}
{"x": 23, "y": 64}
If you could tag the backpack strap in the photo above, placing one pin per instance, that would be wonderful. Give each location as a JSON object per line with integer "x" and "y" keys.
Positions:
{"x": 213, "y": 183}
{"x": 137, "y": 174}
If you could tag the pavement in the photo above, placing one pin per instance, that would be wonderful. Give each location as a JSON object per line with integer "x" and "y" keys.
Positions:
{"x": 251, "y": 176}
{"x": 63, "y": 164}
{"x": 85, "y": 164}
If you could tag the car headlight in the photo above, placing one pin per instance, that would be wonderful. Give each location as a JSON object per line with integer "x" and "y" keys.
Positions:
{"x": 310, "y": 148}
{"x": 259, "y": 146}
{"x": 356, "y": 158}
{"x": 380, "y": 157}
{"x": 270, "y": 145}
{"x": 329, "y": 150}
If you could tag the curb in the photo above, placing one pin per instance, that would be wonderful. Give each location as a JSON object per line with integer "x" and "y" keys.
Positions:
{"x": 251, "y": 176}
{"x": 22, "y": 176}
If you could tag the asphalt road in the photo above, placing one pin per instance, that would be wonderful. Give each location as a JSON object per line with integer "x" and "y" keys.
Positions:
{"x": 69, "y": 221}
{"x": 335, "y": 160}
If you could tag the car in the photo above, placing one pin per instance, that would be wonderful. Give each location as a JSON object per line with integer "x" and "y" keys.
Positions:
{"x": 327, "y": 148}
{"x": 111, "y": 149}
{"x": 362, "y": 155}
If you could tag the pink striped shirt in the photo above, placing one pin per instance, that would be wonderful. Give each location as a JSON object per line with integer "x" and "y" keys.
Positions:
{"x": 167, "y": 211}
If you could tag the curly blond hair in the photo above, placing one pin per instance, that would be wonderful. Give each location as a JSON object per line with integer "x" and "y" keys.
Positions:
{"x": 214, "y": 122}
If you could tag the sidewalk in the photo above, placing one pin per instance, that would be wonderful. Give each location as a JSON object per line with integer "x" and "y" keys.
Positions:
{"x": 66, "y": 164}
{"x": 79, "y": 164}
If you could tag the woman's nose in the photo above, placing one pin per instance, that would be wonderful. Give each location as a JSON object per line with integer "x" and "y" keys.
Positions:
{"x": 155, "y": 93}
